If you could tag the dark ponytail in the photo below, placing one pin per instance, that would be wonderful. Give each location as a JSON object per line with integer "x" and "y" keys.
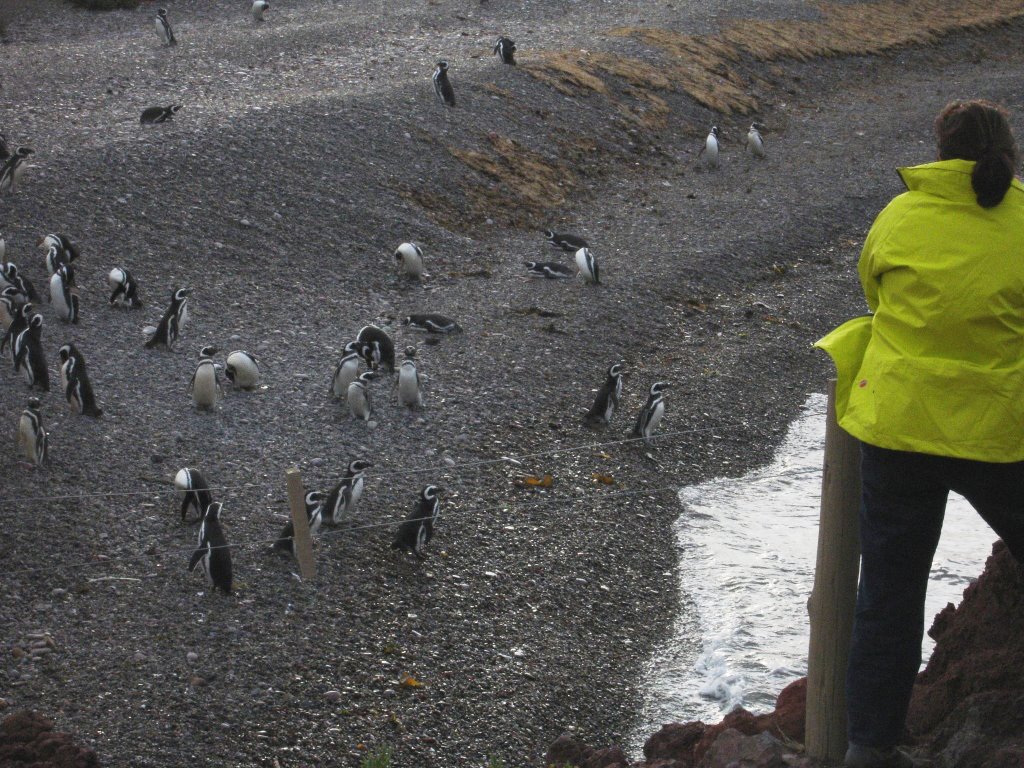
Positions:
{"x": 979, "y": 131}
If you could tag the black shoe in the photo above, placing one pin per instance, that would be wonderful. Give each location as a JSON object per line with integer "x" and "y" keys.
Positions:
{"x": 858, "y": 756}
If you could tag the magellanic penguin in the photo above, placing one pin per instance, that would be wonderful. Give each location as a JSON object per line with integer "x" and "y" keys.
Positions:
{"x": 163, "y": 27}
{"x": 588, "y": 266}
{"x": 259, "y": 7}
{"x": 242, "y": 370}
{"x": 409, "y": 381}
{"x": 505, "y": 48}
{"x": 197, "y": 496}
{"x": 443, "y": 86}
{"x": 29, "y": 357}
{"x": 124, "y": 289}
{"x": 13, "y": 168}
{"x": 10, "y": 302}
{"x": 32, "y": 438}
{"x": 358, "y": 396}
{"x": 343, "y": 497}
{"x": 213, "y": 550}
{"x": 74, "y": 380}
{"x": 377, "y": 347}
{"x": 607, "y": 399}
{"x": 56, "y": 257}
{"x": 19, "y": 323}
{"x": 64, "y": 294}
{"x": 11, "y": 276}
{"x": 551, "y": 270}
{"x": 205, "y": 383}
{"x": 755, "y": 142}
{"x": 173, "y": 321}
{"x": 565, "y": 241}
{"x": 710, "y": 148}
{"x": 431, "y": 323}
{"x": 314, "y": 501}
{"x": 69, "y": 250}
{"x": 153, "y": 115}
{"x": 347, "y": 370}
{"x": 651, "y": 414}
{"x": 416, "y": 530}
{"x": 409, "y": 258}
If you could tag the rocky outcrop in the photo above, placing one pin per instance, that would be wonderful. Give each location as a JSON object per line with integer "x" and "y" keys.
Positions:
{"x": 28, "y": 739}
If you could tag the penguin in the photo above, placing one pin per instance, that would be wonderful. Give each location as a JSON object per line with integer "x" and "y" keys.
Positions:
{"x": 154, "y": 115}
{"x": 124, "y": 289}
{"x": 32, "y": 438}
{"x": 431, "y": 323}
{"x": 259, "y": 7}
{"x": 416, "y": 530}
{"x": 67, "y": 251}
{"x": 242, "y": 370}
{"x": 19, "y": 323}
{"x": 378, "y": 348}
{"x": 314, "y": 501}
{"x": 12, "y": 276}
{"x": 505, "y": 49}
{"x": 755, "y": 142}
{"x": 213, "y": 550}
{"x": 565, "y": 241}
{"x": 710, "y": 148}
{"x": 607, "y": 399}
{"x": 651, "y": 414}
{"x": 64, "y": 294}
{"x": 74, "y": 380}
{"x": 197, "y": 493}
{"x": 551, "y": 270}
{"x": 56, "y": 257}
{"x": 443, "y": 86}
{"x": 13, "y": 169}
{"x": 409, "y": 257}
{"x": 29, "y": 357}
{"x": 172, "y": 322}
{"x": 9, "y": 305}
{"x": 409, "y": 381}
{"x": 205, "y": 383}
{"x": 358, "y": 396}
{"x": 3, "y": 243}
{"x": 347, "y": 370}
{"x": 163, "y": 27}
{"x": 344, "y": 496}
{"x": 588, "y": 266}
{"x": 5, "y": 152}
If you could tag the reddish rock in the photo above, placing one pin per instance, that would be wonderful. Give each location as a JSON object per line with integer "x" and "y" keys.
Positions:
{"x": 610, "y": 757}
{"x": 675, "y": 741}
{"x": 565, "y": 750}
{"x": 790, "y": 716}
{"x": 738, "y": 720}
{"x": 733, "y": 749}
{"x": 28, "y": 739}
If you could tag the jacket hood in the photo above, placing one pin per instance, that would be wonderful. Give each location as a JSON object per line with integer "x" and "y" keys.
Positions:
{"x": 950, "y": 179}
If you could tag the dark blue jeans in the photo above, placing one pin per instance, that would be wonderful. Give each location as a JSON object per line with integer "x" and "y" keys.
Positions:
{"x": 903, "y": 504}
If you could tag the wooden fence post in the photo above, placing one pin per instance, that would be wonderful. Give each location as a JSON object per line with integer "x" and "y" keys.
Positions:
{"x": 300, "y": 525}
{"x": 832, "y": 600}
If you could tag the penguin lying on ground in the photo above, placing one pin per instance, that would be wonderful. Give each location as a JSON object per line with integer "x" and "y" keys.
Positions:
{"x": 431, "y": 323}
{"x": 551, "y": 270}
{"x": 153, "y": 115}
{"x": 565, "y": 241}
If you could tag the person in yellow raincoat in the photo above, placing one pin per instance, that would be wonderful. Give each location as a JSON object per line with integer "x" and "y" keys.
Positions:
{"x": 932, "y": 384}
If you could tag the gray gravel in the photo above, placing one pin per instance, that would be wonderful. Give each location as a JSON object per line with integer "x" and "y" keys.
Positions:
{"x": 279, "y": 193}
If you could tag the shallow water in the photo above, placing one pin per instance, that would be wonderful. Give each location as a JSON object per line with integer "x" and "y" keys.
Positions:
{"x": 747, "y": 550}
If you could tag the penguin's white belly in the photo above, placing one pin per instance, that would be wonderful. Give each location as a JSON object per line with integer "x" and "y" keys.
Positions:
{"x": 346, "y": 375}
{"x": 659, "y": 412}
{"x": 204, "y": 389}
{"x": 408, "y": 386}
{"x": 57, "y": 297}
{"x": 711, "y": 152}
{"x": 359, "y": 401}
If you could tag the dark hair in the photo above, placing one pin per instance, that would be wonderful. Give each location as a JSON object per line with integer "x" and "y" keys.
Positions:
{"x": 978, "y": 130}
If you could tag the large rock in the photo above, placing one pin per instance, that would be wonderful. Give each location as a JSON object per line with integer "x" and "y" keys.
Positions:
{"x": 675, "y": 742}
{"x": 733, "y": 749}
{"x": 28, "y": 739}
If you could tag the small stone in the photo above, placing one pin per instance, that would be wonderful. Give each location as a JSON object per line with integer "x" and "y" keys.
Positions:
{"x": 139, "y": 657}
{"x": 333, "y": 696}
{"x": 17, "y": 652}
{"x": 192, "y": 657}
{"x": 58, "y": 592}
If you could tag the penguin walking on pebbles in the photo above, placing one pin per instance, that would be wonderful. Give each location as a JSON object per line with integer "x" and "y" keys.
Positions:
{"x": 154, "y": 115}
{"x": 32, "y": 437}
{"x": 710, "y": 150}
{"x": 74, "y": 380}
{"x": 124, "y": 289}
{"x": 551, "y": 270}
{"x": 505, "y": 49}
{"x": 342, "y": 498}
{"x": 431, "y": 323}
{"x": 755, "y": 142}
{"x": 64, "y": 294}
{"x": 29, "y": 357}
{"x": 443, "y": 86}
{"x": 607, "y": 399}
{"x": 347, "y": 370}
{"x": 172, "y": 322}
{"x": 205, "y": 383}
{"x": 163, "y": 27}
{"x": 358, "y": 396}
{"x": 651, "y": 414}
{"x": 13, "y": 168}
{"x": 416, "y": 530}
{"x": 285, "y": 544}
{"x": 565, "y": 241}
{"x": 213, "y": 550}
{"x": 242, "y": 369}
{"x": 409, "y": 258}
{"x": 588, "y": 266}
{"x": 377, "y": 347}
{"x": 259, "y": 7}
{"x": 409, "y": 381}
{"x": 196, "y": 490}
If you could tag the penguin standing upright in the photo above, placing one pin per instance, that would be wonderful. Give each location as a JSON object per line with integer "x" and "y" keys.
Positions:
{"x": 213, "y": 550}
{"x": 755, "y": 142}
{"x": 19, "y": 323}
{"x": 409, "y": 257}
{"x": 74, "y": 379}
{"x": 163, "y": 27}
{"x": 607, "y": 399}
{"x": 242, "y": 370}
{"x": 416, "y": 530}
{"x": 588, "y": 266}
{"x": 409, "y": 381}
{"x": 12, "y": 276}
{"x": 172, "y": 322}
{"x": 29, "y": 357}
{"x": 9, "y": 305}
{"x": 64, "y": 294}
{"x": 565, "y": 241}
{"x": 377, "y": 347}
{"x": 358, "y": 396}
{"x": 259, "y": 7}
{"x": 197, "y": 493}
{"x": 344, "y": 496}
{"x": 443, "y": 86}
{"x": 13, "y": 168}
{"x": 205, "y": 383}
{"x": 32, "y": 438}
{"x": 314, "y": 501}
{"x": 125, "y": 291}
{"x": 505, "y": 48}
{"x": 154, "y": 115}
{"x": 347, "y": 370}
{"x": 651, "y": 414}
{"x": 710, "y": 148}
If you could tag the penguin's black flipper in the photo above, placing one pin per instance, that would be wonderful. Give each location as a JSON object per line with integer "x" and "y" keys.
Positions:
{"x": 197, "y": 556}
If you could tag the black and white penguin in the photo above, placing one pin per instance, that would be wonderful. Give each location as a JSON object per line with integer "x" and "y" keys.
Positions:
{"x": 124, "y": 289}
{"x": 377, "y": 347}
{"x": 409, "y": 381}
{"x": 347, "y": 370}
{"x": 343, "y": 497}
{"x": 153, "y": 115}
{"x": 10, "y": 302}
{"x": 172, "y": 322}
{"x": 431, "y": 323}
{"x": 358, "y": 396}
{"x": 259, "y": 7}
{"x": 213, "y": 550}
{"x": 416, "y": 530}
{"x": 66, "y": 250}
{"x": 710, "y": 148}
{"x": 551, "y": 270}
{"x": 607, "y": 399}
{"x": 74, "y": 381}
{"x": 29, "y": 357}
{"x": 64, "y": 294}
{"x": 505, "y": 48}
{"x": 755, "y": 142}
{"x": 442, "y": 85}
{"x": 197, "y": 496}
{"x": 314, "y": 501}
{"x": 12, "y": 276}
{"x": 588, "y": 266}
{"x": 651, "y": 414}
{"x": 13, "y": 168}
{"x": 409, "y": 258}
{"x": 19, "y": 324}
{"x": 163, "y": 27}
{"x": 242, "y": 370}
{"x": 565, "y": 241}
{"x": 205, "y": 383}
{"x": 32, "y": 438}
{"x": 56, "y": 257}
